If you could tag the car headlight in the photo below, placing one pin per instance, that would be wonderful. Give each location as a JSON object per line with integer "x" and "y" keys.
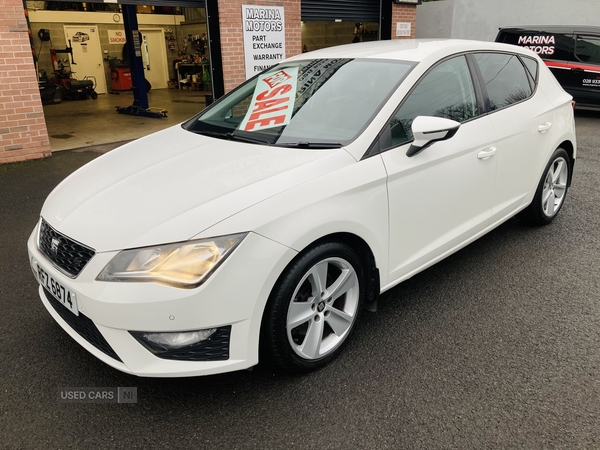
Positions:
{"x": 183, "y": 265}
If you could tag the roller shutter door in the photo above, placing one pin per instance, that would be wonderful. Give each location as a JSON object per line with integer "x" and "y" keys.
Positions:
{"x": 345, "y": 10}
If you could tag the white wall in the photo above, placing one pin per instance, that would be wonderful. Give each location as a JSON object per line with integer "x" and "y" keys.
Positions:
{"x": 434, "y": 19}
{"x": 480, "y": 19}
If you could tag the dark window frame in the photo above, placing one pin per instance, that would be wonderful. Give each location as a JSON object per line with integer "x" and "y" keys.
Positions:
{"x": 378, "y": 145}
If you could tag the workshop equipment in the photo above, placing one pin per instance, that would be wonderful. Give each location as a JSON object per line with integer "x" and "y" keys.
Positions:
{"x": 120, "y": 76}
{"x": 71, "y": 87}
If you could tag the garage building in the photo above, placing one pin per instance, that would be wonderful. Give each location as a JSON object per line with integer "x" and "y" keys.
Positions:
{"x": 192, "y": 51}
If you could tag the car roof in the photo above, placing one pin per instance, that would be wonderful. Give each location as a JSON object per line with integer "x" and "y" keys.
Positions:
{"x": 404, "y": 49}
{"x": 564, "y": 29}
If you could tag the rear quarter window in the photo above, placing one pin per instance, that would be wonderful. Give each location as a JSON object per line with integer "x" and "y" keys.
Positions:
{"x": 532, "y": 67}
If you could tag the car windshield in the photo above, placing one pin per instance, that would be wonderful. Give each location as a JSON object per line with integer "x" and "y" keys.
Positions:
{"x": 320, "y": 103}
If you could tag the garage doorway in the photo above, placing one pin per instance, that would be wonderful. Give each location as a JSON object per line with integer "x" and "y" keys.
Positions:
{"x": 87, "y": 54}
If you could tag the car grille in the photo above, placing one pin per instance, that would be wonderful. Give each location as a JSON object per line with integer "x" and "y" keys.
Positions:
{"x": 66, "y": 254}
{"x": 83, "y": 326}
{"x": 215, "y": 348}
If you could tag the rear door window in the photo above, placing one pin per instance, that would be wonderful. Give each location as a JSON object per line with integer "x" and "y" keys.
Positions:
{"x": 504, "y": 78}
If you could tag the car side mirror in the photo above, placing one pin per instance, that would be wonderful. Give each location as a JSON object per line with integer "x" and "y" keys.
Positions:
{"x": 428, "y": 130}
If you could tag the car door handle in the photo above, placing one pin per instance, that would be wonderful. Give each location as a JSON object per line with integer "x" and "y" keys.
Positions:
{"x": 487, "y": 153}
{"x": 544, "y": 127}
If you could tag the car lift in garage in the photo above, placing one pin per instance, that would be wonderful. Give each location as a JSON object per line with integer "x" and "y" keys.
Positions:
{"x": 139, "y": 107}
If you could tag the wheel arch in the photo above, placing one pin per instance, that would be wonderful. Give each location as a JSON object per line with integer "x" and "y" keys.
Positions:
{"x": 570, "y": 149}
{"x": 364, "y": 250}
{"x": 269, "y": 342}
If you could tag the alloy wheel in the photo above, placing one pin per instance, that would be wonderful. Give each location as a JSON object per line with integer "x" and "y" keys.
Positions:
{"x": 323, "y": 308}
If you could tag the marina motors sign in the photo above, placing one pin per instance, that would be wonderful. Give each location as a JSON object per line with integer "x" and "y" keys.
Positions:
{"x": 273, "y": 100}
{"x": 542, "y": 45}
{"x": 264, "y": 37}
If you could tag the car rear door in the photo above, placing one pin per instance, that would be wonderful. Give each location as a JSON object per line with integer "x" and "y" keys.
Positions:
{"x": 441, "y": 197}
{"x": 522, "y": 119}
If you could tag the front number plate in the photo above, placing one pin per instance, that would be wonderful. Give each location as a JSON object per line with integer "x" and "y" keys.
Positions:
{"x": 58, "y": 291}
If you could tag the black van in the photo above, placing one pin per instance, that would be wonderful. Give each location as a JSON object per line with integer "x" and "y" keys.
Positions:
{"x": 571, "y": 52}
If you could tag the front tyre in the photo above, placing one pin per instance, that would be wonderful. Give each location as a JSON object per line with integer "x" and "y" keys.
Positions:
{"x": 551, "y": 191}
{"x": 313, "y": 308}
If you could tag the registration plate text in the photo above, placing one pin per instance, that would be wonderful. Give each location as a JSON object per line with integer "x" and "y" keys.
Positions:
{"x": 65, "y": 296}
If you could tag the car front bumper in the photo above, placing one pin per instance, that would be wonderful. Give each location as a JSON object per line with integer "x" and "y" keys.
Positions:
{"x": 235, "y": 295}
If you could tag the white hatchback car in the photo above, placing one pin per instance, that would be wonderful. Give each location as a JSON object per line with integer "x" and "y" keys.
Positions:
{"x": 265, "y": 224}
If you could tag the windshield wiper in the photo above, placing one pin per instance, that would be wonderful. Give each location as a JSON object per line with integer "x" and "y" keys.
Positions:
{"x": 215, "y": 134}
{"x": 305, "y": 144}
{"x": 252, "y": 140}
{"x": 233, "y": 137}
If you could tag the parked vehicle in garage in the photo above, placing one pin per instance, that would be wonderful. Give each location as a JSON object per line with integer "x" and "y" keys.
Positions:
{"x": 571, "y": 52}
{"x": 264, "y": 225}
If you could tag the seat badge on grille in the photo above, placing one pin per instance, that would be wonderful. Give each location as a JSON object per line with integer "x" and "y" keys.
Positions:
{"x": 54, "y": 245}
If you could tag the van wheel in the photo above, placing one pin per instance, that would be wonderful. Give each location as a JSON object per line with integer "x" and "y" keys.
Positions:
{"x": 313, "y": 308}
{"x": 551, "y": 191}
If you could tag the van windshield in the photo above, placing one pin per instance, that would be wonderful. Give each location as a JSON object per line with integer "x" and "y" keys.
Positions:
{"x": 319, "y": 103}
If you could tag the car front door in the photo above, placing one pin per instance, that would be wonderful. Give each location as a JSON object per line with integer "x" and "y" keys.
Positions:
{"x": 440, "y": 198}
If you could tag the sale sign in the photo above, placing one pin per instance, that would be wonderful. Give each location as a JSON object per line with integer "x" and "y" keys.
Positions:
{"x": 273, "y": 100}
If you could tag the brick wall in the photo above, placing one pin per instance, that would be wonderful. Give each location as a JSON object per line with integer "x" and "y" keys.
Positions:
{"x": 23, "y": 133}
{"x": 232, "y": 39}
{"x": 404, "y": 13}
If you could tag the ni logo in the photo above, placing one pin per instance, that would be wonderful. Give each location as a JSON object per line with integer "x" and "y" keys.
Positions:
{"x": 54, "y": 245}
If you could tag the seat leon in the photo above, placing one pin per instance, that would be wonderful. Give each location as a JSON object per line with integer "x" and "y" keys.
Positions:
{"x": 262, "y": 227}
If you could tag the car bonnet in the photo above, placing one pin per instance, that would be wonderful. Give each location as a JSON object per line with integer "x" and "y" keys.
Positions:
{"x": 170, "y": 186}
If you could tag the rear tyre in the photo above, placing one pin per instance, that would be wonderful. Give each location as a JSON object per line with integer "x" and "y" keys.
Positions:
{"x": 93, "y": 95}
{"x": 313, "y": 308}
{"x": 551, "y": 191}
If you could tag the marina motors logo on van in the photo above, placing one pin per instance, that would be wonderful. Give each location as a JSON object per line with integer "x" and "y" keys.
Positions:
{"x": 542, "y": 45}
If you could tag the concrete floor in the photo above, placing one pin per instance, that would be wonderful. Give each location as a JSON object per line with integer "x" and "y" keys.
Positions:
{"x": 84, "y": 123}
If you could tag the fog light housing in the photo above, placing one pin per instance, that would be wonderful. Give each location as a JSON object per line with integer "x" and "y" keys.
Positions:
{"x": 172, "y": 341}
{"x": 210, "y": 344}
